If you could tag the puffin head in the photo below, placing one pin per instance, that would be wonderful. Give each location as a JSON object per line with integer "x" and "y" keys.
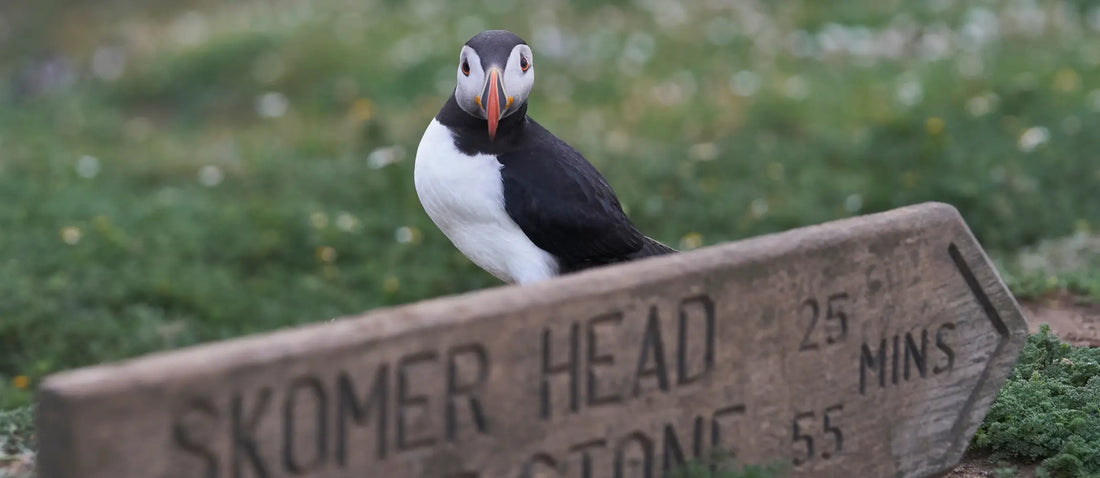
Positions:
{"x": 495, "y": 75}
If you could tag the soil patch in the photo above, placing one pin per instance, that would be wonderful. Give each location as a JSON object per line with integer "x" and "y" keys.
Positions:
{"x": 978, "y": 465}
{"x": 1071, "y": 319}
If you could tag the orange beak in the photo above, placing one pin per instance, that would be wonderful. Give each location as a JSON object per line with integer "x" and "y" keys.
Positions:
{"x": 494, "y": 97}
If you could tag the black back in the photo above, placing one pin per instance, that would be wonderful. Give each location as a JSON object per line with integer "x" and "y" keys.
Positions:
{"x": 559, "y": 200}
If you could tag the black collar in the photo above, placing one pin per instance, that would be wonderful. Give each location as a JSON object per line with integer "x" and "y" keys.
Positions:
{"x": 471, "y": 134}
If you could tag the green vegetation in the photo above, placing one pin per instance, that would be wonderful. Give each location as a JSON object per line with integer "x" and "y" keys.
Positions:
{"x": 1048, "y": 410}
{"x": 723, "y": 466}
{"x": 16, "y": 441}
{"x": 1071, "y": 263}
{"x": 250, "y": 168}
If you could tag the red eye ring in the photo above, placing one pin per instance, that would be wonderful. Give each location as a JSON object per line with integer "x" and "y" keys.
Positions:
{"x": 465, "y": 68}
{"x": 523, "y": 63}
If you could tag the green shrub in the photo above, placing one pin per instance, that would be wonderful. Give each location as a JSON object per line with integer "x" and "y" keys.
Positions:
{"x": 1048, "y": 410}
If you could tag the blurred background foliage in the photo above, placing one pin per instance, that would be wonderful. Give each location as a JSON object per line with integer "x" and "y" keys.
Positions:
{"x": 182, "y": 171}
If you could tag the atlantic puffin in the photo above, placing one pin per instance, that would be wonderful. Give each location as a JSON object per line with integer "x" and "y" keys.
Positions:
{"x": 515, "y": 199}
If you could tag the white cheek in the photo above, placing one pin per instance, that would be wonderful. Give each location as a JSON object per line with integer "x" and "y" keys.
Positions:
{"x": 521, "y": 84}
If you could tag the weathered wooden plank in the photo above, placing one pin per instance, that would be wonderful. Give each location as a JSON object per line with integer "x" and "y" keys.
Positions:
{"x": 870, "y": 346}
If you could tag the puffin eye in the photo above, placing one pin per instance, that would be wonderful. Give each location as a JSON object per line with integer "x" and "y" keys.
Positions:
{"x": 465, "y": 68}
{"x": 523, "y": 63}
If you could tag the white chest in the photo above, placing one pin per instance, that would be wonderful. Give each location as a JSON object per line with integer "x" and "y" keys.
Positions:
{"x": 464, "y": 197}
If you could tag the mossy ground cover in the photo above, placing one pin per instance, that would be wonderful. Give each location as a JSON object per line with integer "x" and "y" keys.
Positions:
{"x": 1049, "y": 410}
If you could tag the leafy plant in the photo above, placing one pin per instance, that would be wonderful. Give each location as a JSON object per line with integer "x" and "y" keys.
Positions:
{"x": 1048, "y": 410}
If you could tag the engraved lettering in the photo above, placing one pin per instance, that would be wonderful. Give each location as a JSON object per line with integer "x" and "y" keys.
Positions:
{"x": 313, "y": 386}
{"x": 635, "y": 453}
{"x": 717, "y": 439}
{"x": 651, "y": 346}
{"x": 673, "y": 452}
{"x": 810, "y": 306}
{"x": 199, "y": 410}
{"x": 624, "y": 467}
{"x": 804, "y": 430}
{"x": 586, "y": 459}
{"x": 894, "y": 369}
{"x": 948, "y": 352}
{"x": 872, "y": 361}
{"x": 706, "y": 307}
{"x": 479, "y": 357}
{"x": 407, "y": 403}
{"x": 906, "y": 355}
{"x": 918, "y": 356}
{"x": 570, "y": 367}
{"x": 835, "y": 320}
{"x": 800, "y": 424}
{"x": 244, "y": 433}
{"x": 597, "y": 358}
{"x": 834, "y": 430}
{"x": 835, "y": 314}
{"x": 348, "y": 406}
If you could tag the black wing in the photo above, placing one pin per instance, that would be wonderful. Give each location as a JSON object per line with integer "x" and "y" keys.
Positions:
{"x": 563, "y": 204}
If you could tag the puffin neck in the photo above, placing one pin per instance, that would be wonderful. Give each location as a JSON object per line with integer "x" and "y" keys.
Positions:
{"x": 472, "y": 134}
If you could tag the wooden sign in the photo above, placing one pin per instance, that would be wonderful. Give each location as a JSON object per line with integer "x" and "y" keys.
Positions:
{"x": 867, "y": 347}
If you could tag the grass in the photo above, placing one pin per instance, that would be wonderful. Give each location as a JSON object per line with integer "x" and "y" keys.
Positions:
{"x": 248, "y": 166}
{"x": 1071, "y": 264}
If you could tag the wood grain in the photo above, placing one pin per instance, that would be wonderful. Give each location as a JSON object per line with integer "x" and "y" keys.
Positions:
{"x": 869, "y": 347}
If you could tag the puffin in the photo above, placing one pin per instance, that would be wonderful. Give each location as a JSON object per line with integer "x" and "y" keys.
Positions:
{"x": 516, "y": 200}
